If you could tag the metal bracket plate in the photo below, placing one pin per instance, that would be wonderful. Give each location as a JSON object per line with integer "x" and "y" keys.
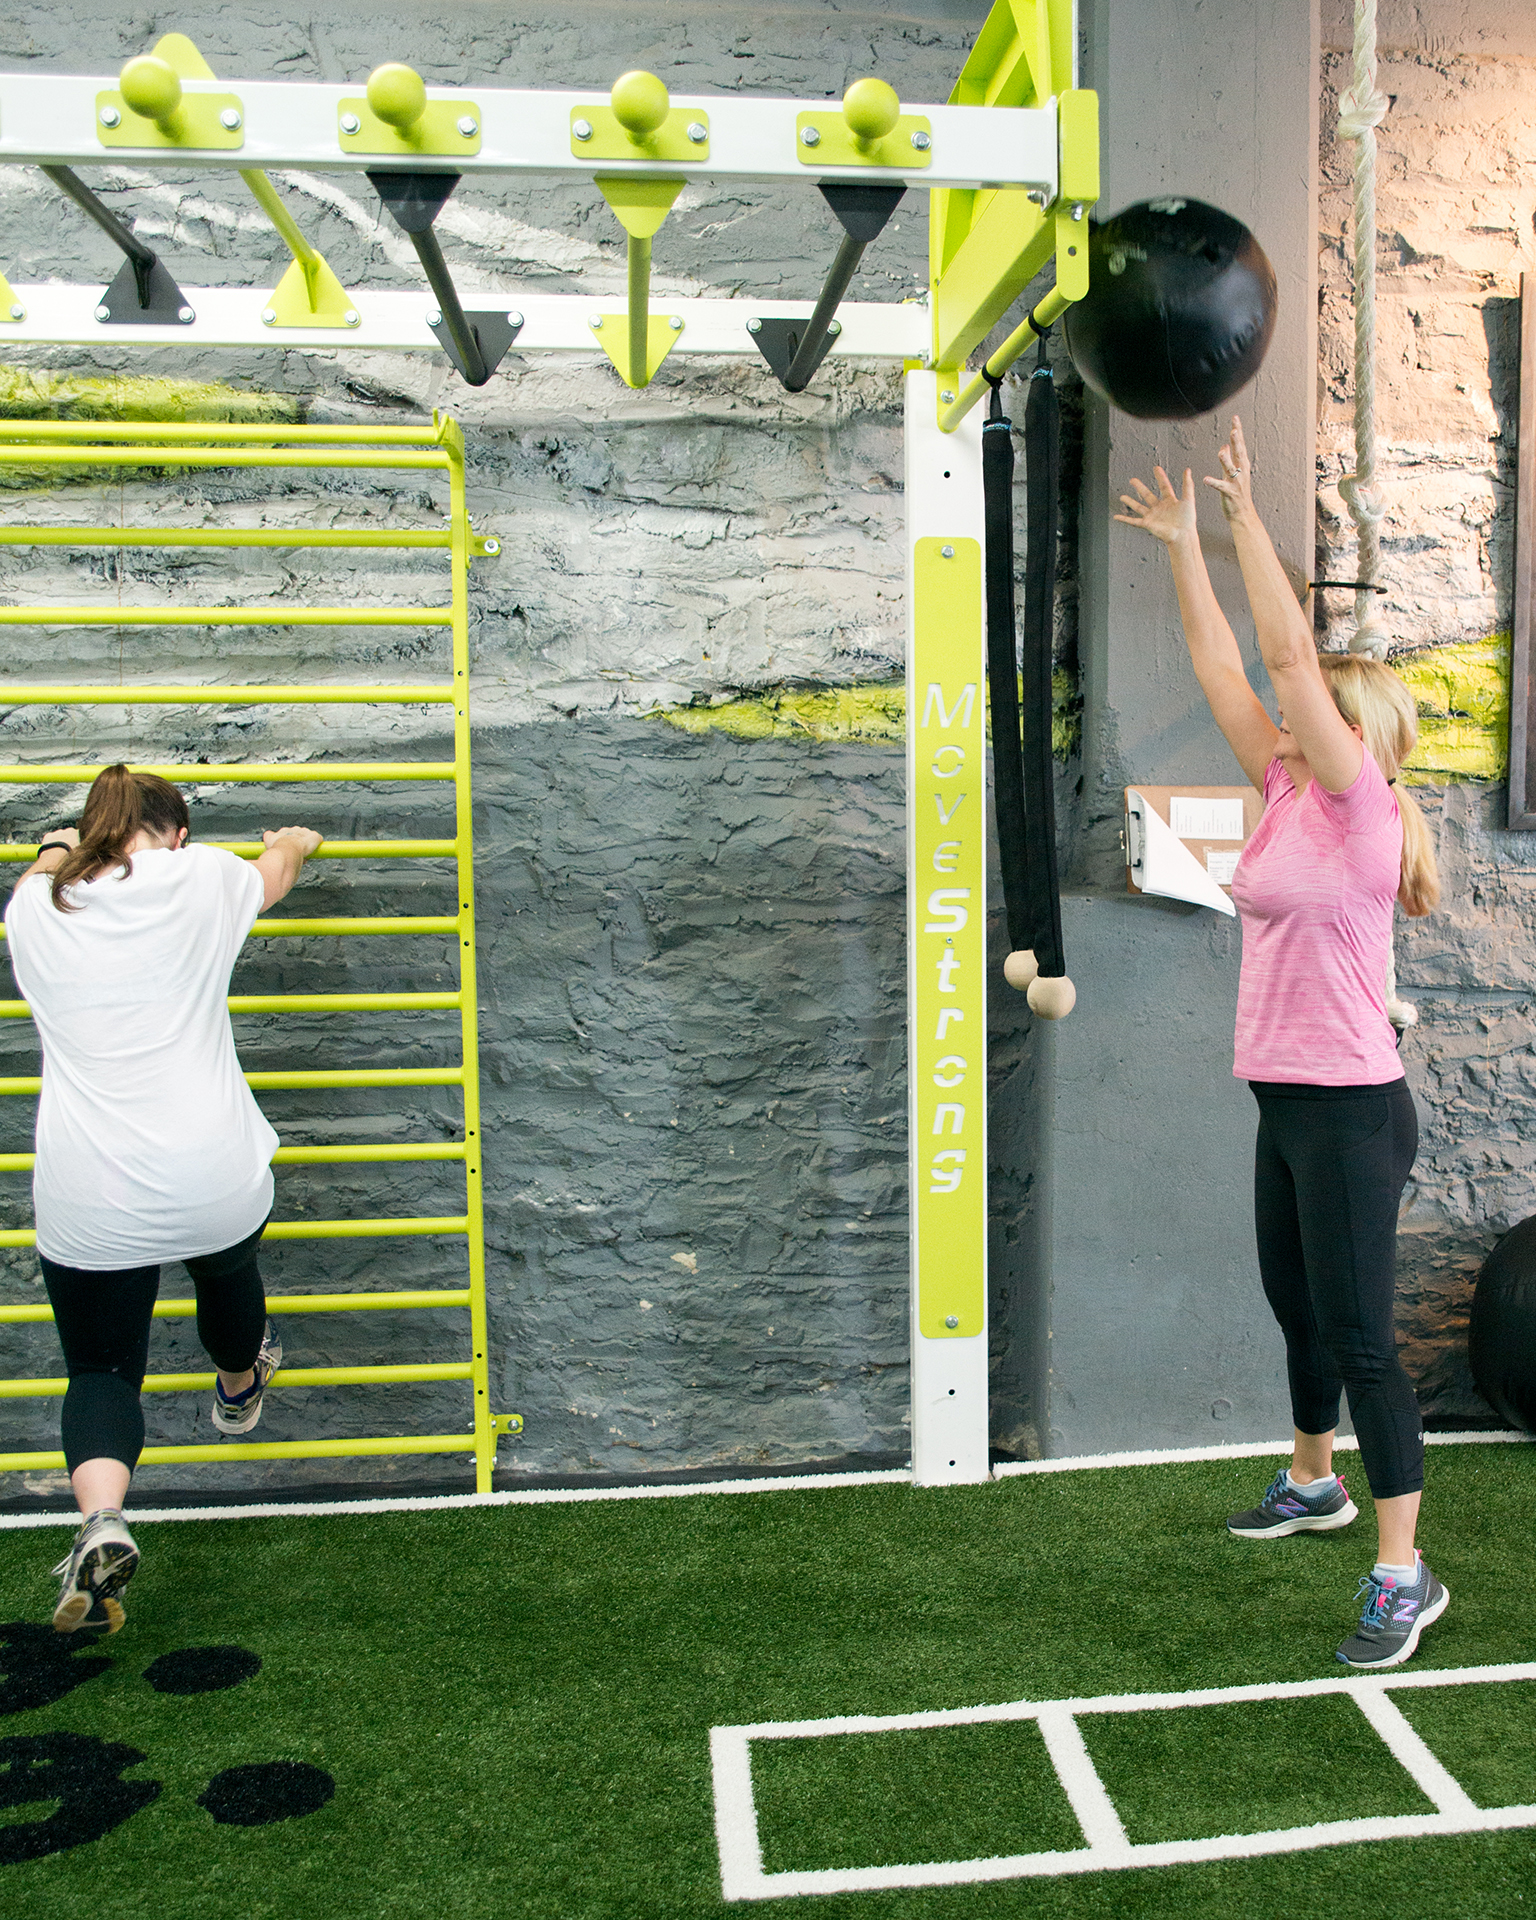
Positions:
{"x": 607, "y": 140}
{"x": 835, "y": 146}
{"x": 778, "y": 341}
{"x": 506, "y": 1423}
{"x": 495, "y": 330}
{"x": 437, "y": 131}
{"x": 167, "y": 306}
{"x": 197, "y": 123}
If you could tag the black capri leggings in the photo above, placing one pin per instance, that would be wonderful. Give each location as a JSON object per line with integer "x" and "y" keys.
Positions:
{"x": 103, "y": 1322}
{"x": 1329, "y": 1171}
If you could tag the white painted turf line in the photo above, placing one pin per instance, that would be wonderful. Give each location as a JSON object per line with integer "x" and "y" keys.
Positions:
{"x": 1108, "y": 1848}
{"x": 783, "y": 1483}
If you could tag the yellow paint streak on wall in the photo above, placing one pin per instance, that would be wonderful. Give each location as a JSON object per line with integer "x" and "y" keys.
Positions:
{"x": 30, "y": 393}
{"x": 872, "y": 711}
{"x": 1462, "y": 694}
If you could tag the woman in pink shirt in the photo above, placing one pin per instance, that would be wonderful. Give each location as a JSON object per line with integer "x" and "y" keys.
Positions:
{"x": 1339, "y": 844}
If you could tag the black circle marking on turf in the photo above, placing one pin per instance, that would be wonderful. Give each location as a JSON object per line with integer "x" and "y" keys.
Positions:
{"x": 202, "y": 1669}
{"x": 255, "y": 1796}
{"x": 78, "y": 1771}
{"x": 39, "y": 1666}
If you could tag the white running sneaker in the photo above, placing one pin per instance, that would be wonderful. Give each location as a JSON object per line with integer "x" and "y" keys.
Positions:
{"x": 94, "y": 1572}
{"x": 238, "y": 1413}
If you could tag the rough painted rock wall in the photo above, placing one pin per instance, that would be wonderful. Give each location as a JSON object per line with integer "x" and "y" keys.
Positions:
{"x": 1456, "y": 203}
{"x": 691, "y": 941}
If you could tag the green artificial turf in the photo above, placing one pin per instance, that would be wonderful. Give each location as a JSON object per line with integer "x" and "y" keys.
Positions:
{"x": 514, "y": 1703}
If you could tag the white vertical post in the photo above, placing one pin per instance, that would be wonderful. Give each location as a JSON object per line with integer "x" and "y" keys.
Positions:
{"x": 946, "y": 940}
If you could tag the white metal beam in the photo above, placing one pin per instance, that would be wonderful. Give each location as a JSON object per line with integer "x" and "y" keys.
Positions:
{"x": 51, "y": 119}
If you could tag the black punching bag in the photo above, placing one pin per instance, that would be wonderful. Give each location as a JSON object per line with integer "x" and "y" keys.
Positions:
{"x": 1179, "y": 311}
{"x": 1502, "y": 1338}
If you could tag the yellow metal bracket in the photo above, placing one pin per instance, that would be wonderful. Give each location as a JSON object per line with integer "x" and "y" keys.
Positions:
{"x": 11, "y": 309}
{"x": 506, "y": 1423}
{"x": 868, "y": 130}
{"x": 398, "y": 121}
{"x": 639, "y": 123}
{"x": 149, "y": 108}
{"x": 638, "y": 342}
{"x": 483, "y": 546}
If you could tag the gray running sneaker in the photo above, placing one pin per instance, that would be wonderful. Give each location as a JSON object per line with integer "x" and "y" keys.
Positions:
{"x": 1393, "y": 1618}
{"x": 94, "y": 1572}
{"x": 1283, "y": 1510}
{"x": 238, "y": 1413}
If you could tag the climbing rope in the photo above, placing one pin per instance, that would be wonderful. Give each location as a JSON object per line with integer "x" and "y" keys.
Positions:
{"x": 1362, "y": 107}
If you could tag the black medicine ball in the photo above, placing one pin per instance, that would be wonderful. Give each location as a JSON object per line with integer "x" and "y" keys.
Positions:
{"x": 1179, "y": 311}
{"x": 1502, "y": 1336}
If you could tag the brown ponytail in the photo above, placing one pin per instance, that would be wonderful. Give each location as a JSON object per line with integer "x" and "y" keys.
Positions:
{"x": 118, "y": 805}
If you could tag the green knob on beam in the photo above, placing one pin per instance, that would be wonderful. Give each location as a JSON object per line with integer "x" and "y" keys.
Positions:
{"x": 152, "y": 88}
{"x": 397, "y": 95}
{"x": 640, "y": 104}
{"x": 871, "y": 108}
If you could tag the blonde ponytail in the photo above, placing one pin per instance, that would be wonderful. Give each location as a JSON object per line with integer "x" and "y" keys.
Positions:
{"x": 1371, "y": 697}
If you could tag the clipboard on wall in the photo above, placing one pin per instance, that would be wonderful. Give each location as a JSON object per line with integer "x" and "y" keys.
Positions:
{"x": 1183, "y": 843}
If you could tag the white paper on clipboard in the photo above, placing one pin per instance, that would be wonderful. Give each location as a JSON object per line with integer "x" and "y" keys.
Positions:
{"x": 1161, "y": 863}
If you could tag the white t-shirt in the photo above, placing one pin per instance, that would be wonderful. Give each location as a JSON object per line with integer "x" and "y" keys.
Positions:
{"x": 150, "y": 1146}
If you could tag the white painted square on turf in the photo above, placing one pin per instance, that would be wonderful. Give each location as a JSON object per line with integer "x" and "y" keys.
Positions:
{"x": 1106, "y": 1843}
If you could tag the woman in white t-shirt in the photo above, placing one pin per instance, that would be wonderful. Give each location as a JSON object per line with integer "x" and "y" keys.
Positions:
{"x": 150, "y": 1146}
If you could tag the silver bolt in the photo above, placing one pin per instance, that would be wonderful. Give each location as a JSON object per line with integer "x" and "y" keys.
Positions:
{"x": 596, "y": 320}
{"x": 268, "y": 317}
{"x": 493, "y": 546}
{"x": 350, "y": 123}
{"x": 697, "y": 132}
{"x": 352, "y": 317}
{"x": 810, "y": 137}
{"x": 434, "y": 318}
{"x": 834, "y": 329}
{"x": 110, "y": 117}
{"x": 754, "y": 326}
{"x": 468, "y": 125}
{"x": 946, "y": 397}
{"x": 103, "y": 314}
{"x": 676, "y": 323}
{"x": 185, "y": 315}
{"x": 921, "y": 141}
{"x": 1036, "y": 196}
{"x": 514, "y": 319}
{"x": 229, "y": 119}
{"x": 581, "y": 129}
{"x": 951, "y": 1320}
{"x": 948, "y": 552}
{"x": 1077, "y": 209}
{"x": 18, "y": 311}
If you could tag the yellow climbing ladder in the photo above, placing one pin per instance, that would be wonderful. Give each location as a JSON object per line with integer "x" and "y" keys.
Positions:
{"x": 41, "y": 448}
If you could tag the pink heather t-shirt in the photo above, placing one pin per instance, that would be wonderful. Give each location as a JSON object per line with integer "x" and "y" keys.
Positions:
{"x": 1315, "y": 888}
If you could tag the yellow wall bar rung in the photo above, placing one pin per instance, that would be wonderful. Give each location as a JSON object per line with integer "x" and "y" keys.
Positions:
{"x": 314, "y": 1229}
{"x": 317, "y": 1077}
{"x": 110, "y": 616}
{"x": 382, "y": 923}
{"x": 214, "y": 537}
{"x": 234, "y": 456}
{"x": 289, "y": 1376}
{"x": 153, "y": 432}
{"x": 215, "y": 696}
{"x": 352, "y": 1156}
{"x": 49, "y": 773}
{"x": 301, "y": 1003}
{"x": 404, "y": 1302}
{"x": 329, "y": 850}
{"x": 268, "y": 1450}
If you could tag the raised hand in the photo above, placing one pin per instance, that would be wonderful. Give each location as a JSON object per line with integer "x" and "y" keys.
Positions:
{"x": 1235, "y": 484}
{"x": 1166, "y": 515}
{"x": 303, "y": 839}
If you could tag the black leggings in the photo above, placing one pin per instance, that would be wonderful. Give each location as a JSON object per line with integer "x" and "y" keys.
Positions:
{"x": 1329, "y": 1171}
{"x": 103, "y": 1323}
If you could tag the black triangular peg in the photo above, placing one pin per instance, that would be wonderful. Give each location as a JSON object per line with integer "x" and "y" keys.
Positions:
{"x": 415, "y": 199}
{"x": 165, "y": 307}
{"x": 863, "y": 210}
{"x": 494, "y": 333}
{"x": 778, "y": 341}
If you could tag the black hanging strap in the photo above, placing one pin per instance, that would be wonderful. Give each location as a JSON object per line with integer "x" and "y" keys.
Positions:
{"x": 1002, "y": 670}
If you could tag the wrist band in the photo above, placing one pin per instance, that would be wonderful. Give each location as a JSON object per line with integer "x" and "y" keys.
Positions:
{"x": 46, "y": 846}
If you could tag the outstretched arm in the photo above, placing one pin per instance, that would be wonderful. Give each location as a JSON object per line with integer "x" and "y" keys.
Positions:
{"x": 1213, "y": 649}
{"x": 283, "y": 860}
{"x": 1333, "y": 750}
